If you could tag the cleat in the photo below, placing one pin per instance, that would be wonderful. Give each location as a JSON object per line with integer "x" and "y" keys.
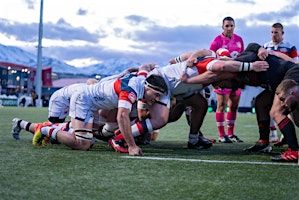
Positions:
{"x": 212, "y": 140}
{"x": 288, "y": 156}
{"x": 205, "y": 142}
{"x": 16, "y": 129}
{"x": 224, "y": 139}
{"x": 280, "y": 143}
{"x": 38, "y": 136}
{"x": 118, "y": 146}
{"x": 260, "y": 146}
{"x": 202, "y": 143}
{"x": 235, "y": 138}
{"x": 45, "y": 141}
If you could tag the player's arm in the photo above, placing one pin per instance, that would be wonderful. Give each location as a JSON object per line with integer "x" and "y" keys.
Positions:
{"x": 197, "y": 54}
{"x": 191, "y": 57}
{"x": 281, "y": 55}
{"x": 236, "y": 66}
{"x": 182, "y": 57}
{"x": 207, "y": 77}
{"x": 123, "y": 121}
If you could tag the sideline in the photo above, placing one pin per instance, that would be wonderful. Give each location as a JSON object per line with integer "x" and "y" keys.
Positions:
{"x": 210, "y": 161}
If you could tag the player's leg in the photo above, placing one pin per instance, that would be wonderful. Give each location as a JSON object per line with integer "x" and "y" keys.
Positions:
{"x": 222, "y": 98}
{"x": 287, "y": 128}
{"x": 263, "y": 105}
{"x": 20, "y": 124}
{"x": 199, "y": 108}
{"x": 231, "y": 116}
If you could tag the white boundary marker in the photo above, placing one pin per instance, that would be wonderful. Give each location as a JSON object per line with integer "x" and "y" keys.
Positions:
{"x": 209, "y": 161}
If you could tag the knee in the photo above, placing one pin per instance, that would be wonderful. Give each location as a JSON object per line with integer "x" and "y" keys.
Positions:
{"x": 159, "y": 121}
{"x": 274, "y": 113}
{"x": 83, "y": 139}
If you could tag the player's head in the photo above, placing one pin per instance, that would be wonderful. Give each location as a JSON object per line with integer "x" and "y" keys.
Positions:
{"x": 155, "y": 87}
{"x": 277, "y": 32}
{"x": 286, "y": 94}
{"x": 228, "y": 26}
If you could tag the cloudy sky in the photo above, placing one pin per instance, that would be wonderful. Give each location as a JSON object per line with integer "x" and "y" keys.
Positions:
{"x": 85, "y": 32}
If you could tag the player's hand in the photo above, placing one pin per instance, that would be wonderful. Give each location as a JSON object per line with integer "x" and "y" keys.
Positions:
{"x": 147, "y": 67}
{"x": 135, "y": 151}
{"x": 184, "y": 78}
{"x": 260, "y": 66}
{"x": 262, "y": 53}
{"x": 172, "y": 61}
{"x": 190, "y": 61}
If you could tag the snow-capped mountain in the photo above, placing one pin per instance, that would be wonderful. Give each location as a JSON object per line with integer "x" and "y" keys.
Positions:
{"x": 111, "y": 66}
{"x": 19, "y": 56}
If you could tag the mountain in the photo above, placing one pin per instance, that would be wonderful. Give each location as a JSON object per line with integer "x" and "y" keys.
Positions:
{"x": 111, "y": 66}
{"x": 19, "y": 56}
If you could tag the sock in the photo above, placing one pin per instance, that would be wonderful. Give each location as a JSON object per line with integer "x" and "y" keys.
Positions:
{"x": 264, "y": 130}
{"x": 273, "y": 132}
{"x": 287, "y": 128}
{"x": 220, "y": 123}
{"x": 138, "y": 128}
{"x": 230, "y": 119}
{"x": 141, "y": 127}
{"x": 24, "y": 124}
{"x": 193, "y": 138}
{"x": 50, "y": 132}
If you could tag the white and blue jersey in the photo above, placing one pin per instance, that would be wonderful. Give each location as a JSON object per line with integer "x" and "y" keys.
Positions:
{"x": 283, "y": 47}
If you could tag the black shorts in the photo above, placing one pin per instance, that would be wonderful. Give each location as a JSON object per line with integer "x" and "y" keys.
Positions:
{"x": 293, "y": 74}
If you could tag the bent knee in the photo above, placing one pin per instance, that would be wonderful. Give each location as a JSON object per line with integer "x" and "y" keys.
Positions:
{"x": 84, "y": 139}
{"x": 159, "y": 121}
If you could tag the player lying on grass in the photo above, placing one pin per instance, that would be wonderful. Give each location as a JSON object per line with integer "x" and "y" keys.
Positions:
{"x": 108, "y": 94}
{"x": 59, "y": 103}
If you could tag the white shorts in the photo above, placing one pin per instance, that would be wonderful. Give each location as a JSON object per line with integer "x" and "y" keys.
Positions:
{"x": 82, "y": 108}
{"x": 58, "y": 106}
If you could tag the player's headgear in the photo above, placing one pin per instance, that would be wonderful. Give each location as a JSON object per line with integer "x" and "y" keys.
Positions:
{"x": 156, "y": 83}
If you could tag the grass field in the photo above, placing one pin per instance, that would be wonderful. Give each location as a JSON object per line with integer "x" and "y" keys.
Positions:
{"x": 56, "y": 172}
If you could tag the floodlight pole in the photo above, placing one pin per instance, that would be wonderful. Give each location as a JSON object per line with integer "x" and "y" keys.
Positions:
{"x": 38, "y": 86}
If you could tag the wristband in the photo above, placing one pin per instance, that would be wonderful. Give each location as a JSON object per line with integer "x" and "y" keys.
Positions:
{"x": 245, "y": 66}
{"x": 178, "y": 59}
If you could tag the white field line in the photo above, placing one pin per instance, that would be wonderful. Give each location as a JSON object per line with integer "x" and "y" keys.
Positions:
{"x": 209, "y": 161}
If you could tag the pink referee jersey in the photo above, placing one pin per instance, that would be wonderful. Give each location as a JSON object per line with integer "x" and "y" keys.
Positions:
{"x": 234, "y": 44}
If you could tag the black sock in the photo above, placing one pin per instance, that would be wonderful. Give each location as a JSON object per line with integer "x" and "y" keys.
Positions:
{"x": 264, "y": 129}
{"x": 27, "y": 126}
{"x": 287, "y": 128}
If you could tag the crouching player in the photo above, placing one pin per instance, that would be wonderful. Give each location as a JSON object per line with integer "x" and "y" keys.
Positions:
{"x": 108, "y": 94}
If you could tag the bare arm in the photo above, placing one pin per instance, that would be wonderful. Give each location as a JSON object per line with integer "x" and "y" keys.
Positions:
{"x": 123, "y": 121}
{"x": 196, "y": 54}
{"x": 281, "y": 55}
{"x": 191, "y": 57}
{"x": 207, "y": 78}
{"x": 236, "y": 66}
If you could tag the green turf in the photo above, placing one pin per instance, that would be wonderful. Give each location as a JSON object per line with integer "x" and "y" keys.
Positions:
{"x": 56, "y": 172}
